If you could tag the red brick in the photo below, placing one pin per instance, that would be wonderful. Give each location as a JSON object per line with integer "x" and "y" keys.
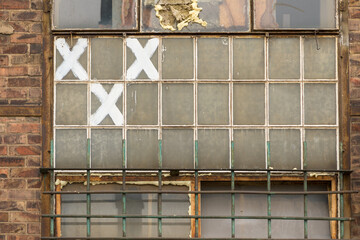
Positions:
{"x": 12, "y": 183}
{"x": 3, "y": 150}
{"x": 33, "y": 206}
{"x": 11, "y": 162}
{"x": 14, "y": 93}
{"x": 12, "y": 228}
{"x": 353, "y": 3}
{"x": 35, "y": 93}
{"x": 36, "y": 28}
{"x": 33, "y": 183}
{"x": 33, "y": 161}
{"x": 13, "y": 71}
{"x": 354, "y": 12}
{"x": 4, "y": 194}
{"x": 25, "y": 38}
{"x": 15, "y": 4}
{"x": 4, "y": 173}
{"x": 28, "y": 150}
{"x": 4, "y": 60}
{"x": 24, "y": 172}
{"x": 34, "y": 71}
{"x": 4, "y": 217}
{"x": 15, "y": 49}
{"x": 4, "y": 39}
{"x": 24, "y": 82}
{"x": 34, "y": 139}
{"x": 24, "y": 127}
{"x": 15, "y": 139}
{"x": 22, "y": 237}
{"x": 24, "y": 195}
{"x": 24, "y": 217}
{"x": 25, "y": 59}
{"x": 20, "y": 27}
{"x": 12, "y": 206}
{"x": 33, "y": 228}
{"x": 4, "y": 15}
{"x": 26, "y": 16}
{"x": 35, "y": 48}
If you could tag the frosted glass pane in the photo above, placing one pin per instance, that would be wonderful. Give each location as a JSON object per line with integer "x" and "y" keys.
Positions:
{"x": 82, "y": 59}
{"x": 130, "y": 58}
{"x": 284, "y": 58}
{"x": 96, "y": 104}
{"x": 178, "y": 104}
{"x": 178, "y": 148}
{"x": 142, "y": 149}
{"x": 321, "y": 149}
{"x": 142, "y": 104}
{"x": 320, "y": 103}
{"x": 106, "y": 148}
{"x": 106, "y": 58}
{"x": 71, "y": 104}
{"x": 178, "y": 58}
{"x": 71, "y": 148}
{"x": 285, "y": 149}
{"x": 249, "y": 58}
{"x": 213, "y": 58}
{"x": 249, "y": 104}
{"x": 249, "y": 149}
{"x": 284, "y": 104}
{"x": 213, "y": 148}
{"x": 320, "y": 64}
{"x": 213, "y": 104}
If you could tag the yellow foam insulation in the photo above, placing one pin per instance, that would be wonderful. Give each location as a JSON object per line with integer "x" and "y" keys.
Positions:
{"x": 178, "y": 13}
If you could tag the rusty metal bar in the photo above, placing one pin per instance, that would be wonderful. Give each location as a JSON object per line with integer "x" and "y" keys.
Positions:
{"x": 305, "y": 190}
{"x": 124, "y": 188}
{"x": 160, "y": 191}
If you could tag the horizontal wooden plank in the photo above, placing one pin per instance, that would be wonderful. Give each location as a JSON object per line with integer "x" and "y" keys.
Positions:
{"x": 20, "y": 111}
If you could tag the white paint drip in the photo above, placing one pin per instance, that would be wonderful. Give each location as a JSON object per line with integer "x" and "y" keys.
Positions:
{"x": 108, "y": 104}
{"x": 142, "y": 61}
{"x": 71, "y": 58}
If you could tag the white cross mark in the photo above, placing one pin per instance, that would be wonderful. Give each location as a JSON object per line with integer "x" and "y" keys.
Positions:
{"x": 71, "y": 59}
{"x": 143, "y": 56}
{"x": 108, "y": 106}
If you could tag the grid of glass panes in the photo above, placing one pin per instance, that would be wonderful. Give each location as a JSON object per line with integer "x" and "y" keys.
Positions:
{"x": 249, "y": 90}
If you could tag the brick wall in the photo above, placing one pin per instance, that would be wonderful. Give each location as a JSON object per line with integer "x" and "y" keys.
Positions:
{"x": 21, "y": 56}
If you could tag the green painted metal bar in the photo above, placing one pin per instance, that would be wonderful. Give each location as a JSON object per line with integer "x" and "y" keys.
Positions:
{"x": 232, "y": 189}
{"x": 305, "y": 190}
{"x": 160, "y": 189}
{"x": 196, "y": 189}
{"x": 124, "y": 187}
{"x": 342, "y": 233}
{"x": 52, "y": 185}
{"x": 88, "y": 196}
{"x": 268, "y": 181}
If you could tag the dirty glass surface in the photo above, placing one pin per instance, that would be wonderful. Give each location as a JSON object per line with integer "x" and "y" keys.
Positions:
{"x": 213, "y": 104}
{"x": 285, "y": 148}
{"x": 178, "y": 104}
{"x": 142, "y": 104}
{"x": 106, "y": 148}
{"x": 142, "y": 148}
{"x": 295, "y": 14}
{"x": 178, "y": 58}
{"x": 320, "y": 103}
{"x": 71, "y": 102}
{"x": 284, "y": 58}
{"x": 249, "y": 60}
{"x": 94, "y": 14}
{"x": 213, "y": 145}
{"x": 249, "y": 103}
{"x": 213, "y": 58}
{"x": 284, "y": 104}
{"x": 71, "y": 148}
{"x": 207, "y": 16}
{"x": 178, "y": 148}
{"x": 106, "y": 58}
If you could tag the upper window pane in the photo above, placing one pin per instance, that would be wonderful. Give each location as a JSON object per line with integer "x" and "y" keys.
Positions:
{"x": 95, "y": 14}
{"x": 295, "y": 14}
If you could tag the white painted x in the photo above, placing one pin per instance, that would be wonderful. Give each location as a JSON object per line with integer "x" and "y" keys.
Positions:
{"x": 108, "y": 102}
{"x": 71, "y": 59}
{"x": 143, "y": 56}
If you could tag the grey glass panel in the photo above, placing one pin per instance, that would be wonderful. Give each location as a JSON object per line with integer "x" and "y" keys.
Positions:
{"x": 178, "y": 104}
{"x": 142, "y": 104}
{"x": 321, "y": 149}
{"x": 284, "y": 58}
{"x": 178, "y": 148}
{"x": 96, "y": 103}
{"x": 94, "y": 14}
{"x": 248, "y": 57}
{"x": 249, "y": 149}
{"x": 213, "y": 148}
{"x": 220, "y": 15}
{"x": 71, "y": 148}
{"x": 249, "y": 104}
{"x": 178, "y": 58}
{"x": 213, "y": 104}
{"x": 106, "y": 58}
{"x": 284, "y": 104}
{"x": 142, "y": 149}
{"x": 71, "y": 104}
{"x": 130, "y": 58}
{"x": 320, "y": 64}
{"x": 285, "y": 149}
{"x": 213, "y": 58}
{"x": 106, "y": 148}
{"x": 82, "y": 59}
{"x": 320, "y": 103}
{"x": 293, "y": 14}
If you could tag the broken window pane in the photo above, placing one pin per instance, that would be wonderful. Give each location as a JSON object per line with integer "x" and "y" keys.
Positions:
{"x": 195, "y": 15}
{"x": 95, "y": 14}
{"x": 294, "y": 14}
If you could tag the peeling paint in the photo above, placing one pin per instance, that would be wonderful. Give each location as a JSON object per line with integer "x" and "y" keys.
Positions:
{"x": 61, "y": 183}
{"x": 178, "y": 13}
